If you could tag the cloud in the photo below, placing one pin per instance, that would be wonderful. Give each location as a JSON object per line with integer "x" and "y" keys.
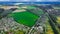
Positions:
{"x": 29, "y": 0}
{"x": 4, "y": 0}
{"x": 37, "y": 0}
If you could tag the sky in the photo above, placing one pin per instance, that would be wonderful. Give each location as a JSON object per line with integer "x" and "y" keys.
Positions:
{"x": 30, "y": 0}
{"x": 3, "y": 2}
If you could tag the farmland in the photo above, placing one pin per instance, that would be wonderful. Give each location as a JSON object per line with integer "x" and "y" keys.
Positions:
{"x": 25, "y": 18}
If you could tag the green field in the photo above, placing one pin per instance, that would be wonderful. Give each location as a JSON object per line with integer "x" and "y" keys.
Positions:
{"x": 25, "y": 18}
{"x": 31, "y": 7}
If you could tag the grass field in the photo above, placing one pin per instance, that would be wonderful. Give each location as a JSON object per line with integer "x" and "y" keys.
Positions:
{"x": 31, "y": 7}
{"x": 25, "y": 18}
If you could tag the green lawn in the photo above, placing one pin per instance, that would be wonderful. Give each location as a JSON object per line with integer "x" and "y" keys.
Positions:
{"x": 25, "y": 18}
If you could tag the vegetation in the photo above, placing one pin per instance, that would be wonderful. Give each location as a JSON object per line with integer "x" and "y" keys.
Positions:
{"x": 15, "y": 32}
{"x": 31, "y": 7}
{"x": 49, "y": 29}
{"x": 58, "y": 19}
{"x": 25, "y": 18}
{"x": 53, "y": 23}
{"x": 56, "y": 7}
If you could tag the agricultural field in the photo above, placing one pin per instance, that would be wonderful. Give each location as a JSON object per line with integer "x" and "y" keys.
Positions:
{"x": 14, "y": 32}
{"x": 58, "y": 23}
{"x": 56, "y": 7}
{"x": 49, "y": 29}
{"x": 25, "y": 18}
{"x": 58, "y": 19}
{"x": 31, "y": 7}
{"x": 27, "y": 7}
